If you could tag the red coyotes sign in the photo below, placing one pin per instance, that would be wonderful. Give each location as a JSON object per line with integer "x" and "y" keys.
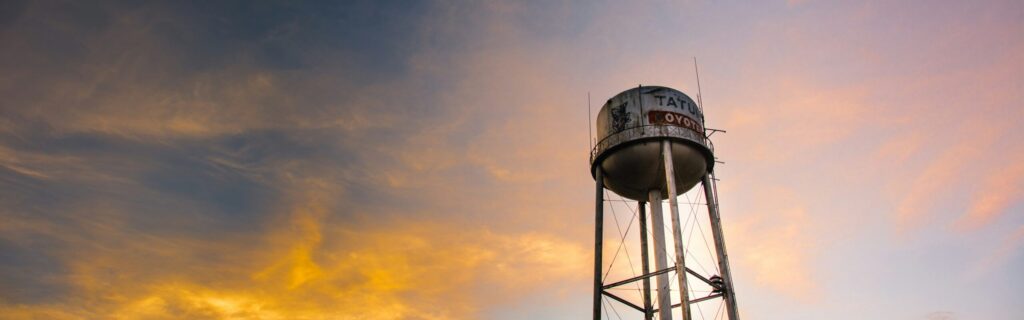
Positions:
{"x": 675, "y": 119}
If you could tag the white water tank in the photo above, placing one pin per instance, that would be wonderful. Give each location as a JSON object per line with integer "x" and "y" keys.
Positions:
{"x": 630, "y": 129}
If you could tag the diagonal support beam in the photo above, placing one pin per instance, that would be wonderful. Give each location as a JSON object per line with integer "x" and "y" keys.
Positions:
{"x": 623, "y": 301}
{"x": 640, "y": 277}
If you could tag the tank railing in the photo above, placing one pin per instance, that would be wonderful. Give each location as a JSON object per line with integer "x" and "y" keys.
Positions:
{"x": 649, "y": 130}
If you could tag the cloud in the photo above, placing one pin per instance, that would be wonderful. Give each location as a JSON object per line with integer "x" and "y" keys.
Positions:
{"x": 307, "y": 266}
{"x": 1005, "y": 249}
{"x": 242, "y": 189}
{"x": 1002, "y": 188}
{"x": 937, "y": 178}
{"x": 807, "y": 118}
{"x": 777, "y": 245}
{"x": 937, "y": 153}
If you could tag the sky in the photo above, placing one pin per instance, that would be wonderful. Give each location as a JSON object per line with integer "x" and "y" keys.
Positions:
{"x": 429, "y": 159}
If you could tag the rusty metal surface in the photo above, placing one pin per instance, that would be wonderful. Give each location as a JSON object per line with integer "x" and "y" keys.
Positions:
{"x": 630, "y": 128}
{"x": 648, "y": 112}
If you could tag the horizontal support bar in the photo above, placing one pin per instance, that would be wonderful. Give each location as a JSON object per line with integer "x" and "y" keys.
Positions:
{"x": 705, "y": 298}
{"x": 694, "y": 301}
{"x": 666, "y": 270}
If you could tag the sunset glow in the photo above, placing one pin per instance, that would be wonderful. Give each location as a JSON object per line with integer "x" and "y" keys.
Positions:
{"x": 429, "y": 160}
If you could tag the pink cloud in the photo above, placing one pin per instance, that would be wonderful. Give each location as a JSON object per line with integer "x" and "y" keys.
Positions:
{"x": 776, "y": 245}
{"x": 1002, "y": 188}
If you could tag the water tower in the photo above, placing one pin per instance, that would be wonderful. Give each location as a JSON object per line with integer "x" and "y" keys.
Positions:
{"x": 652, "y": 145}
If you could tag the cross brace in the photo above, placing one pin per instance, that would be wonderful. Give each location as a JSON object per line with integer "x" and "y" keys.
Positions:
{"x": 666, "y": 270}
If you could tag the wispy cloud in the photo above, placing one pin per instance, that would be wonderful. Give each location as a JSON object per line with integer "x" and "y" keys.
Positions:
{"x": 777, "y": 245}
{"x": 305, "y": 266}
{"x": 1001, "y": 189}
{"x": 1006, "y": 249}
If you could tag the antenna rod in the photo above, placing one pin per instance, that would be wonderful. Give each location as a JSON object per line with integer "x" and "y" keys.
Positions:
{"x": 700, "y": 96}
{"x": 590, "y": 136}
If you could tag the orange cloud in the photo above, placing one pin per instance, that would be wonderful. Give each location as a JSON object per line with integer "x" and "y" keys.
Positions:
{"x": 943, "y": 173}
{"x": 776, "y": 245}
{"x": 898, "y": 149}
{"x": 804, "y": 117}
{"x": 937, "y": 177}
{"x": 307, "y": 267}
{"x": 1003, "y": 187}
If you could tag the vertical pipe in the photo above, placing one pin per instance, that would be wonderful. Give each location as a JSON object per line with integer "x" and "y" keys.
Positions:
{"x": 677, "y": 227}
{"x": 723, "y": 257}
{"x": 648, "y": 315}
{"x": 660, "y": 260}
{"x": 598, "y": 238}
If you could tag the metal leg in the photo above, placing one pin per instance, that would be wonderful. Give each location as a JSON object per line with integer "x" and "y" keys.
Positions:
{"x": 660, "y": 259}
{"x": 723, "y": 257}
{"x": 598, "y": 240}
{"x": 677, "y": 232}
{"x": 648, "y": 315}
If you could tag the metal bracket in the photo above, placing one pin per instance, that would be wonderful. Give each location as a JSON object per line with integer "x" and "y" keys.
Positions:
{"x": 706, "y": 129}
